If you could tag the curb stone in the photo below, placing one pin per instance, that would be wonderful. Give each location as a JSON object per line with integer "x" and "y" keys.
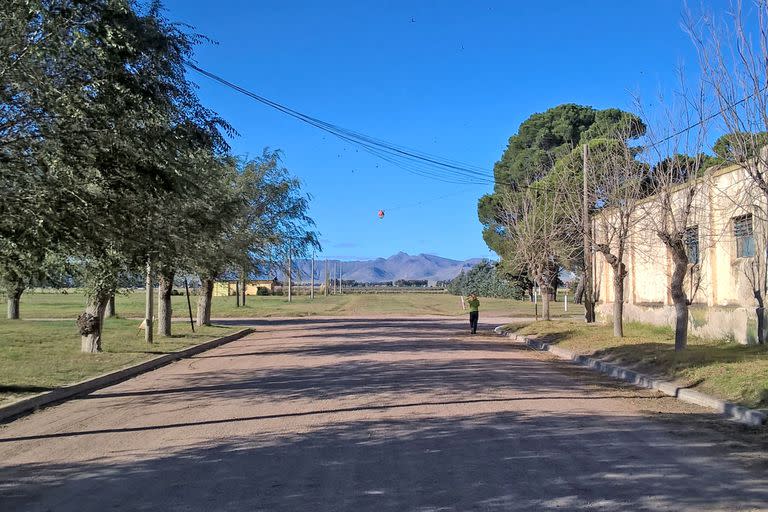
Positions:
{"x": 28, "y": 405}
{"x": 732, "y": 411}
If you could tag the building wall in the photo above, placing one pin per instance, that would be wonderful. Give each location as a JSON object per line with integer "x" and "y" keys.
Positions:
{"x": 723, "y": 303}
{"x": 229, "y": 288}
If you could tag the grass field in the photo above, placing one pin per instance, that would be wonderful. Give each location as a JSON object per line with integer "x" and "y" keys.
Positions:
{"x": 131, "y": 305}
{"x": 37, "y": 356}
{"x": 734, "y": 372}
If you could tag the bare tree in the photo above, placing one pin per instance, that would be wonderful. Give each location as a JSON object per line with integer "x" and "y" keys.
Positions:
{"x": 675, "y": 181}
{"x": 540, "y": 238}
{"x": 733, "y": 55}
{"x": 614, "y": 184}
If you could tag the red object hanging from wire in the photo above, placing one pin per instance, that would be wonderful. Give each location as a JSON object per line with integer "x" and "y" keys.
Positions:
{"x": 381, "y": 214}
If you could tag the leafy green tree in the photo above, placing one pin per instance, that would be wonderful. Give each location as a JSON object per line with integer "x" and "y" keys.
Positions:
{"x": 541, "y": 141}
{"x": 269, "y": 219}
{"x": 101, "y": 118}
{"x": 738, "y": 147}
{"x": 546, "y": 143}
{"x": 484, "y": 279}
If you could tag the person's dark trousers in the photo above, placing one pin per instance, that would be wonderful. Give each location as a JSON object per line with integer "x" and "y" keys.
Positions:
{"x": 473, "y": 316}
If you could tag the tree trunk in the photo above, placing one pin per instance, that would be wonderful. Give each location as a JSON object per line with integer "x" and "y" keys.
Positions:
{"x": 553, "y": 289}
{"x": 619, "y": 272}
{"x": 149, "y": 310}
{"x": 589, "y": 308}
{"x": 680, "y": 300}
{"x": 243, "y": 288}
{"x": 545, "y": 298}
{"x": 110, "y": 313}
{"x": 90, "y": 323}
{"x": 14, "y": 297}
{"x": 578, "y": 294}
{"x": 204, "y": 302}
{"x": 164, "y": 306}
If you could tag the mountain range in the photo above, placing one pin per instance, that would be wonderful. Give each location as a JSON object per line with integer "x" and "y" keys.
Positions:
{"x": 399, "y": 266}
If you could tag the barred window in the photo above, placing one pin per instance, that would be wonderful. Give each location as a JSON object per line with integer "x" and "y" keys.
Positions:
{"x": 692, "y": 244}
{"x": 745, "y": 238}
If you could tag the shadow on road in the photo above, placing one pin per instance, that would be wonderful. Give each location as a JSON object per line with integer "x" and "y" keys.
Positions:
{"x": 502, "y": 461}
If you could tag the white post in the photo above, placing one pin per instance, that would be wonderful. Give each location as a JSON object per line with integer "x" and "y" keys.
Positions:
{"x": 148, "y": 304}
{"x": 312, "y": 280}
{"x": 290, "y": 271}
{"x": 566, "y": 302}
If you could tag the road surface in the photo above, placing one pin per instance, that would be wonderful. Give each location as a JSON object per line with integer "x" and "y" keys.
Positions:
{"x": 374, "y": 414}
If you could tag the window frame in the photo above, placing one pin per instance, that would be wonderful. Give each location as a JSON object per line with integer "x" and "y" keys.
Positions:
{"x": 691, "y": 242}
{"x": 744, "y": 235}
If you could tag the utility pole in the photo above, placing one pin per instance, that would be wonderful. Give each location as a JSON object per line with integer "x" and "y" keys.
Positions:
{"x": 148, "y": 304}
{"x": 290, "y": 284}
{"x": 327, "y": 283}
{"x": 589, "y": 305}
{"x": 341, "y": 276}
{"x": 312, "y": 279}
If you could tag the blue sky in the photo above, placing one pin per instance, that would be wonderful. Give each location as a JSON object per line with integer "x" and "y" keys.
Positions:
{"x": 451, "y": 78}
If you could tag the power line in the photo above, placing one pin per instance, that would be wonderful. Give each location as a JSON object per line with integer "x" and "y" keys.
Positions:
{"x": 420, "y": 163}
{"x": 411, "y": 160}
{"x": 710, "y": 117}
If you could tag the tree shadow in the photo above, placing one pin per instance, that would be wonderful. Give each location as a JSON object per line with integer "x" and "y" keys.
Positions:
{"x": 500, "y": 461}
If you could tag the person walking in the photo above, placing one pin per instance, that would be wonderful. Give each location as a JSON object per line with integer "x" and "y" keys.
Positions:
{"x": 474, "y": 312}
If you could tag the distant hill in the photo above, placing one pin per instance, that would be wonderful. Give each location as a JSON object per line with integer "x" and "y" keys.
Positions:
{"x": 398, "y": 266}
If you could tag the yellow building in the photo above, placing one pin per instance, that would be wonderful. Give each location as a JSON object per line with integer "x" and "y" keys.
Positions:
{"x": 229, "y": 288}
{"x": 726, "y": 242}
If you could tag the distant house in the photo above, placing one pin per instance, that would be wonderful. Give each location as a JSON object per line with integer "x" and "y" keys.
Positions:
{"x": 230, "y": 287}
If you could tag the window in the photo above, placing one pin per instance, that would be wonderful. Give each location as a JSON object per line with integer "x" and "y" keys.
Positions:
{"x": 745, "y": 238}
{"x": 692, "y": 244}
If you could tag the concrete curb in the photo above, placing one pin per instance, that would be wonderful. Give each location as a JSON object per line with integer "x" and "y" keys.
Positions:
{"x": 732, "y": 411}
{"x": 27, "y": 405}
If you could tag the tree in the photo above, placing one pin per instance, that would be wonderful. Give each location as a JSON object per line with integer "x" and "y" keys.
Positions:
{"x": 534, "y": 225}
{"x": 100, "y": 116}
{"x": 38, "y": 90}
{"x": 733, "y": 57}
{"x": 269, "y": 218}
{"x": 484, "y": 279}
{"x": 615, "y": 180}
{"x": 198, "y": 209}
{"x": 541, "y": 142}
{"x": 674, "y": 207}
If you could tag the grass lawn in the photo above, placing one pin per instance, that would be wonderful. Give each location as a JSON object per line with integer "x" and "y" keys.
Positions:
{"x": 40, "y": 356}
{"x": 733, "y": 372}
{"x": 54, "y": 305}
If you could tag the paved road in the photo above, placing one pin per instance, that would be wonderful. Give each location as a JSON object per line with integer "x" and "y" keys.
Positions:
{"x": 373, "y": 414}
